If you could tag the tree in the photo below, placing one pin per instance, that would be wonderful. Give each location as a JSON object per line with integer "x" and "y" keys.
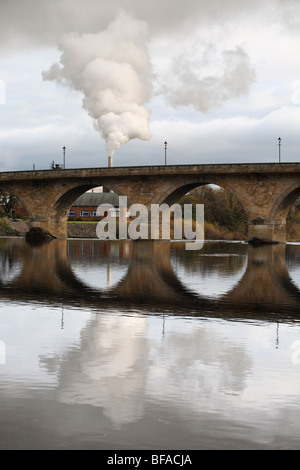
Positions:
{"x": 7, "y": 201}
{"x": 220, "y": 207}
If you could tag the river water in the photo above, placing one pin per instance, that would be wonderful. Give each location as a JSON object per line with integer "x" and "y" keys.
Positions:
{"x": 146, "y": 345}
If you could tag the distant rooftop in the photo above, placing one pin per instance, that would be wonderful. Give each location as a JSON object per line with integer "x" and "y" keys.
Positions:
{"x": 95, "y": 199}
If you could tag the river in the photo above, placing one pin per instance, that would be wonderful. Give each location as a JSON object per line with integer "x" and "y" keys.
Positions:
{"x": 146, "y": 345}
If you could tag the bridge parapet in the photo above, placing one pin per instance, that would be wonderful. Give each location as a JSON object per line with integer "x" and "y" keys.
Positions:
{"x": 159, "y": 170}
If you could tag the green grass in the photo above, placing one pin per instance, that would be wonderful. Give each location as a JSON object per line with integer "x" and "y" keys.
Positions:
{"x": 3, "y": 223}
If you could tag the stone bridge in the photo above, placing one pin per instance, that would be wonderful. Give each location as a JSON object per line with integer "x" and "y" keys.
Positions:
{"x": 266, "y": 191}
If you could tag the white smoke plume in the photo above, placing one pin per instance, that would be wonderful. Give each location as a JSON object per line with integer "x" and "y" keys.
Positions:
{"x": 113, "y": 71}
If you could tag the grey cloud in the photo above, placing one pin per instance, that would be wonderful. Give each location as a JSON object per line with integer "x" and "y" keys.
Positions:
{"x": 205, "y": 81}
{"x": 23, "y": 22}
{"x": 233, "y": 79}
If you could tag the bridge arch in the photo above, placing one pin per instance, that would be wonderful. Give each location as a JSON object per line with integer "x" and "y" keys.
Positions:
{"x": 281, "y": 209}
{"x": 285, "y": 201}
{"x": 17, "y": 193}
{"x": 230, "y": 222}
{"x": 177, "y": 191}
{"x": 65, "y": 198}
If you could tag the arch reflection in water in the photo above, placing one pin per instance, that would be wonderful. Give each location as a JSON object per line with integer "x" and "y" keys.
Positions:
{"x": 148, "y": 277}
{"x": 212, "y": 271}
{"x": 99, "y": 265}
{"x": 293, "y": 262}
{"x": 10, "y": 261}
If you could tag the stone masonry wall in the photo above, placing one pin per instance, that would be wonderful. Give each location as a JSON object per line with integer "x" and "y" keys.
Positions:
{"x": 82, "y": 230}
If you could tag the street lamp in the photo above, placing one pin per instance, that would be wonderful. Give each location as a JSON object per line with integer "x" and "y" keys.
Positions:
{"x": 64, "y": 150}
{"x": 279, "y": 143}
{"x": 166, "y": 143}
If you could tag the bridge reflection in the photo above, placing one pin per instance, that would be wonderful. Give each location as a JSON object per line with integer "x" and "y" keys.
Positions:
{"x": 147, "y": 281}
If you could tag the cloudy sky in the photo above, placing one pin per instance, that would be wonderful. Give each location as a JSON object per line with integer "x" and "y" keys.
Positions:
{"x": 218, "y": 80}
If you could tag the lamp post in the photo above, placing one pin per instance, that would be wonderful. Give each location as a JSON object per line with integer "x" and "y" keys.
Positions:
{"x": 166, "y": 143}
{"x": 279, "y": 143}
{"x": 64, "y": 150}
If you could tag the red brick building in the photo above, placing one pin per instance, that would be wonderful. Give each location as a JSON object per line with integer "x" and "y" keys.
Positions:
{"x": 86, "y": 207}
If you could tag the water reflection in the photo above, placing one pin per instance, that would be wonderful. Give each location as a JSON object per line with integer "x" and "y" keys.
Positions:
{"x": 109, "y": 370}
{"x": 213, "y": 270}
{"x": 293, "y": 263}
{"x": 147, "y": 357}
{"x": 226, "y": 279}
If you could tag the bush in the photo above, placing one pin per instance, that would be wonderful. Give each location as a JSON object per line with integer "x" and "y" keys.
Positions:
{"x": 212, "y": 231}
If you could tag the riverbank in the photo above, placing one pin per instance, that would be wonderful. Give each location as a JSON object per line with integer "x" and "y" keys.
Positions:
{"x": 13, "y": 227}
{"x": 82, "y": 229}
{"x": 19, "y": 228}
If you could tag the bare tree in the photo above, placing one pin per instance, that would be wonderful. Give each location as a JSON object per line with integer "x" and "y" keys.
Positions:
{"x": 220, "y": 206}
{"x": 7, "y": 202}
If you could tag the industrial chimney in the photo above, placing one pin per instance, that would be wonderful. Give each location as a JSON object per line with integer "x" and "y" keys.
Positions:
{"x": 110, "y": 161}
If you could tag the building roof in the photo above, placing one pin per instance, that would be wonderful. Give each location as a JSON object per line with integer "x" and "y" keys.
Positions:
{"x": 95, "y": 199}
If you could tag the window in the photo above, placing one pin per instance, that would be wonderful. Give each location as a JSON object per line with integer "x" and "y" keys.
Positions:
{"x": 71, "y": 213}
{"x": 84, "y": 213}
{"x": 95, "y": 214}
{"x": 114, "y": 212}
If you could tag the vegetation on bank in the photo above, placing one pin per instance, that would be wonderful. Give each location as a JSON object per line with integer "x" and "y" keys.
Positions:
{"x": 225, "y": 218}
{"x": 5, "y": 229}
{"x": 293, "y": 224}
